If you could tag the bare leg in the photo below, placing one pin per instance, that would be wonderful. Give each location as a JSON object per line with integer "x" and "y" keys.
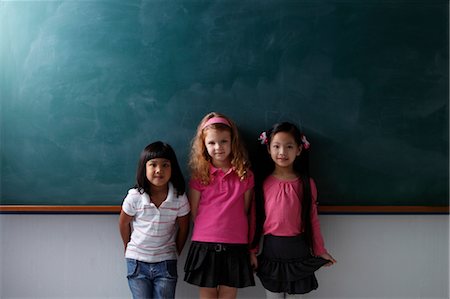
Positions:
{"x": 209, "y": 293}
{"x": 227, "y": 292}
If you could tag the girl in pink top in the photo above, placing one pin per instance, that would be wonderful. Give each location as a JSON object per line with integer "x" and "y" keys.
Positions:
{"x": 221, "y": 190}
{"x": 293, "y": 247}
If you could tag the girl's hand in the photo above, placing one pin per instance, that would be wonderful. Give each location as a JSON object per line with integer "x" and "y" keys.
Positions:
{"x": 253, "y": 260}
{"x": 328, "y": 257}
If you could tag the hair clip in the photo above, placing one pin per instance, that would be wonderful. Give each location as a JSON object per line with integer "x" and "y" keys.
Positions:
{"x": 263, "y": 138}
{"x": 306, "y": 144}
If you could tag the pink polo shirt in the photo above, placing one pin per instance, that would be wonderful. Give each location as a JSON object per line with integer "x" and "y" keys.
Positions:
{"x": 283, "y": 210}
{"x": 221, "y": 216}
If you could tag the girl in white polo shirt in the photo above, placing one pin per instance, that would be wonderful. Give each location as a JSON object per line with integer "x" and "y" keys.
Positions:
{"x": 154, "y": 223}
{"x": 220, "y": 195}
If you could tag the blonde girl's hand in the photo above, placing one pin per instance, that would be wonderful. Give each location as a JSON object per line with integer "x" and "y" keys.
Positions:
{"x": 253, "y": 261}
{"x": 328, "y": 257}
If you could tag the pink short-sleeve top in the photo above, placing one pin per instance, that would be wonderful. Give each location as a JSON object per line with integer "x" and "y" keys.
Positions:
{"x": 282, "y": 205}
{"x": 221, "y": 216}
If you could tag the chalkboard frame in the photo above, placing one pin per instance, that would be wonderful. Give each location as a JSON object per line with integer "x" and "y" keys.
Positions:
{"x": 37, "y": 209}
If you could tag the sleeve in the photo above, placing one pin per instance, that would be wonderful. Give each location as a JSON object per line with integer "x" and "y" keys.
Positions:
{"x": 250, "y": 180}
{"x": 184, "y": 207}
{"x": 317, "y": 239}
{"x": 128, "y": 205}
{"x": 196, "y": 184}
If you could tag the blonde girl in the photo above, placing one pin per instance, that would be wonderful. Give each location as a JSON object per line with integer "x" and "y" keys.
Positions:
{"x": 221, "y": 190}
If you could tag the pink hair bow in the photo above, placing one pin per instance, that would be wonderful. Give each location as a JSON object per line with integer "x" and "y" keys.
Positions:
{"x": 305, "y": 142}
{"x": 263, "y": 138}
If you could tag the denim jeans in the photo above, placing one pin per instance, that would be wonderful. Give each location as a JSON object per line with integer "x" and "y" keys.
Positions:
{"x": 152, "y": 280}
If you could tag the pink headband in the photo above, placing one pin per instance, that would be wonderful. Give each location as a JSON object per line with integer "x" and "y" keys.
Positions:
{"x": 216, "y": 120}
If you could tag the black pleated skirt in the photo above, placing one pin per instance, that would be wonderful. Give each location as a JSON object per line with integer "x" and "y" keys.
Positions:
{"x": 287, "y": 266}
{"x": 212, "y": 264}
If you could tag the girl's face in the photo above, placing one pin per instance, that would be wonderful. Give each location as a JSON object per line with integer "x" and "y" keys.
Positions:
{"x": 283, "y": 149}
{"x": 218, "y": 145}
{"x": 158, "y": 172}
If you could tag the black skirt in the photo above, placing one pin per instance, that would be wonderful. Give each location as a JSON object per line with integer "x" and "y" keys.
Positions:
{"x": 212, "y": 264}
{"x": 287, "y": 266}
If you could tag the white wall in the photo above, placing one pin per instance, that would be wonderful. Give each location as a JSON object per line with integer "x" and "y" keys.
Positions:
{"x": 80, "y": 256}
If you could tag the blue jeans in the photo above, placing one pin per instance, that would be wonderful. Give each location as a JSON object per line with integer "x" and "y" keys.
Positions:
{"x": 152, "y": 280}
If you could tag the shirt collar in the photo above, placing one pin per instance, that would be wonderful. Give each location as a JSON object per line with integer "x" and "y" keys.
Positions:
{"x": 171, "y": 194}
{"x": 214, "y": 170}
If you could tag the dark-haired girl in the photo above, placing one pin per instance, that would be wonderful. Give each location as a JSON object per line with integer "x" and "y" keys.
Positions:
{"x": 293, "y": 247}
{"x": 154, "y": 223}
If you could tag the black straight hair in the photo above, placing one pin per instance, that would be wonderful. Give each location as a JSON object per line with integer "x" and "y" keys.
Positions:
{"x": 155, "y": 150}
{"x": 264, "y": 166}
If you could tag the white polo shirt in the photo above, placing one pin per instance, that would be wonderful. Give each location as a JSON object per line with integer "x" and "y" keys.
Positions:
{"x": 154, "y": 229}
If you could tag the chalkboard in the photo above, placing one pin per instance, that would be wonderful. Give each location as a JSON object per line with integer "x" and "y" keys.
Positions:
{"x": 86, "y": 85}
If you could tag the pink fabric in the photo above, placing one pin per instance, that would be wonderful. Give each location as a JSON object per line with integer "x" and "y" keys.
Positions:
{"x": 216, "y": 120}
{"x": 221, "y": 216}
{"x": 283, "y": 215}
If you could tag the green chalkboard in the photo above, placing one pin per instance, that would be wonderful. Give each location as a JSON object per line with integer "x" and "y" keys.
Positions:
{"x": 85, "y": 85}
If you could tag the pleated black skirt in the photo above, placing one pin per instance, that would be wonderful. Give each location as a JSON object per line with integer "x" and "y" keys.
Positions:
{"x": 287, "y": 266}
{"x": 212, "y": 264}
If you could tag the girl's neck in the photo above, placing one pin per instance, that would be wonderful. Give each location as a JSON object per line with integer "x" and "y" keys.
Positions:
{"x": 284, "y": 173}
{"x": 224, "y": 166}
{"x": 159, "y": 194}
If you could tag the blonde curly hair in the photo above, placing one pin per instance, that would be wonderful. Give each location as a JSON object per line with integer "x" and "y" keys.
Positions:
{"x": 199, "y": 160}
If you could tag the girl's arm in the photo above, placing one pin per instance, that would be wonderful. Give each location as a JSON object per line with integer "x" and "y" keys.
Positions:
{"x": 248, "y": 197}
{"x": 318, "y": 243}
{"x": 194, "y": 198}
{"x": 125, "y": 228}
{"x": 183, "y": 231}
{"x": 250, "y": 212}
